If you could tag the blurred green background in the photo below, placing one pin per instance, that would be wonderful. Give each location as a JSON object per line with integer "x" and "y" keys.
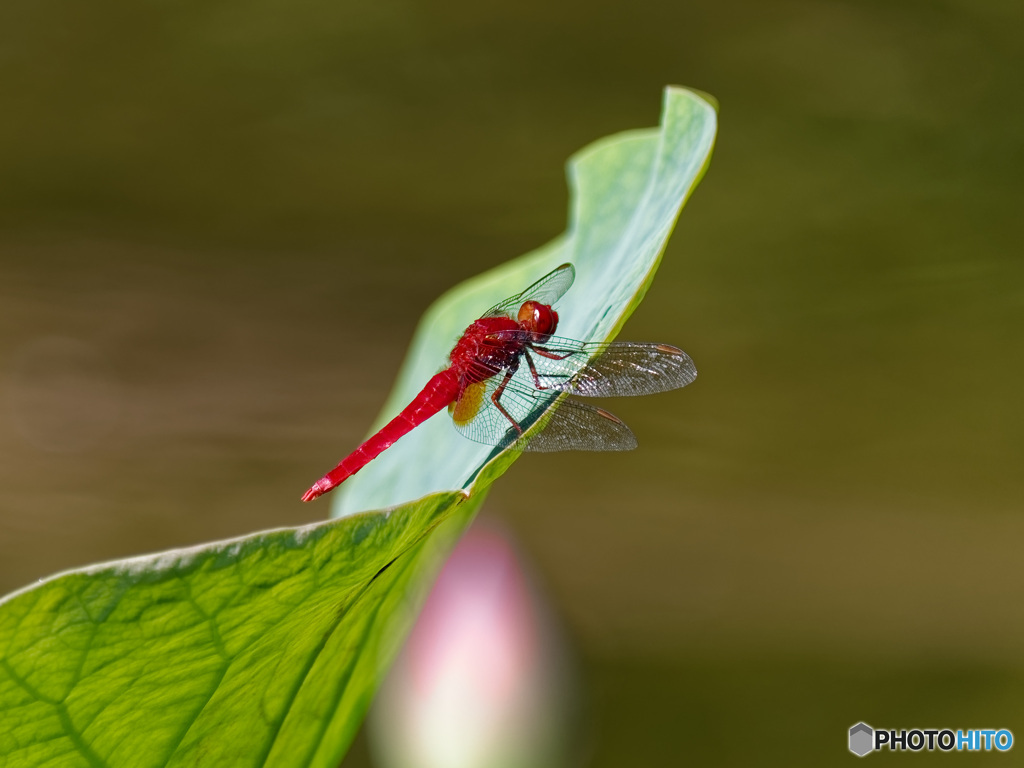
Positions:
{"x": 220, "y": 221}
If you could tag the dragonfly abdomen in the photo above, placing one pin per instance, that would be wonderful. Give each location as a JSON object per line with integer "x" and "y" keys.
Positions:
{"x": 438, "y": 393}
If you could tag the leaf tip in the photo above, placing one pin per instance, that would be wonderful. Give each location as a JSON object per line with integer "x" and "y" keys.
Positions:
{"x": 704, "y": 96}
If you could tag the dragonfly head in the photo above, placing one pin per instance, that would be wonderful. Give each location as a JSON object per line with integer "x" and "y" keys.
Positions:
{"x": 538, "y": 318}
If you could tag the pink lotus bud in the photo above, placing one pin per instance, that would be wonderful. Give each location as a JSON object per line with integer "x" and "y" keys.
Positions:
{"x": 481, "y": 681}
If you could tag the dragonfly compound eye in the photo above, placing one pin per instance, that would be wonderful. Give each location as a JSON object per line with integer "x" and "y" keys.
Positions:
{"x": 538, "y": 318}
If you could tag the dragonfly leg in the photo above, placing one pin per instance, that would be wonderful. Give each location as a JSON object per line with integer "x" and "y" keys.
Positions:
{"x": 549, "y": 354}
{"x": 496, "y": 399}
{"x": 533, "y": 370}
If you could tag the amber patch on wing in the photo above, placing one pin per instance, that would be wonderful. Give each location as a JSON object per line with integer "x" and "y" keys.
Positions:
{"x": 465, "y": 409}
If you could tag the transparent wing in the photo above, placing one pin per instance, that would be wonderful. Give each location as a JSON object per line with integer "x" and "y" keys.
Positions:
{"x": 613, "y": 369}
{"x": 576, "y": 426}
{"x": 571, "y": 425}
{"x": 547, "y": 290}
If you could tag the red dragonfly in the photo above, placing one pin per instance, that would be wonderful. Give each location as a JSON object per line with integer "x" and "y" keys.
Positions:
{"x": 493, "y": 397}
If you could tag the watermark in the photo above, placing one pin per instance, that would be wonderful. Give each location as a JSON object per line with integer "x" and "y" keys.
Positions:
{"x": 864, "y": 739}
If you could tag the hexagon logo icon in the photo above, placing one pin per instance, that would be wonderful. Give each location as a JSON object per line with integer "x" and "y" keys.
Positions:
{"x": 862, "y": 738}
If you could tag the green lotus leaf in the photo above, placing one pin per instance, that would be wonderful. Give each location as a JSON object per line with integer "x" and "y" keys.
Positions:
{"x": 266, "y": 650}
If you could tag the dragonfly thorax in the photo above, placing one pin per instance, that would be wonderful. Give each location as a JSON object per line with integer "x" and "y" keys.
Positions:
{"x": 481, "y": 353}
